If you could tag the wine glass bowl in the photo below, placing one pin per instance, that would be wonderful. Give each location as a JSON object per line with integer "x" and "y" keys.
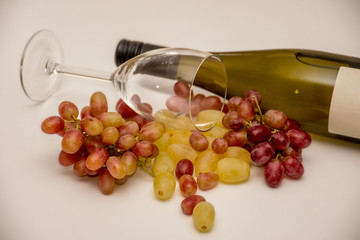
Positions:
{"x": 178, "y": 80}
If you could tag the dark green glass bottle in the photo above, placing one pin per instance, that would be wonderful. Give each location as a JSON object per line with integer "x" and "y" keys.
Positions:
{"x": 299, "y": 82}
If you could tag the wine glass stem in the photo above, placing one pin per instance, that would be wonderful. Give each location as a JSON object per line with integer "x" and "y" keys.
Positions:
{"x": 83, "y": 72}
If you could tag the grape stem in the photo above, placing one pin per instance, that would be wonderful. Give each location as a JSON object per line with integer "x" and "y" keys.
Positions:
{"x": 260, "y": 112}
{"x": 142, "y": 165}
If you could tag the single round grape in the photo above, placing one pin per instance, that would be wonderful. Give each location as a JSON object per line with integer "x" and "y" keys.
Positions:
{"x": 109, "y": 135}
{"x": 290, "y": 151}
{"x": 258, "y": 133}
{"x": 163, "y": 163}
{"x": 274, "y": 173}
{"x": 143, "y": 148}
{"x": 246, "y": 111}
{"x": 179, "y": 151}
{"x": 116, "y": 167}
{"x": 124, "y": 110}
{"x": 280, "y": 141}
{"x": 129, "y": 127}
{"x": 66, "y": 159}
{"x": 251, "y": 95}
{"x": 92, "y": 126}
{"x": 52, "y": 125}
{"x": 228, "y": 117}
{"x": 234, "y": 102}
{"x": 198, "y": 141}
{"x": 164, "y": 185}
{"x": 68, "y": 110}
{"x": 98, "y": 103}
{"x": 237, "y": 152}
{"x": 198, "y": 97}
{"x": 182, "y": 89}
{"x": 151, "y": 131}
{"x": 293, "y": 167}
{"x": 204, "y": 216}
{"x": 97, "y": 159}
{"x": 110, "y": 119}
{"x": 291, "y": 124}
{"x": 79, "y": 167}
{"x": 85, "y": 111}
{"x": 262, "y": 153}
{"x": 275, "y": 118}
{"x": 184, "y": 167}
{"x": 125, "y": 142}
{"x": 187, "y": 185}
{"x": 72, "y": 141}
{"x": 299, "y": 138}
{"x": 237, "y": 124}
{"x": 146, "y": 108}
{"x": 130, "y": 161}
{"x": 206, "y": 161}
{"x": 210, "y": 102}
{"x": 106, "y": 182}
{"x": 236, "y": 138}
{"x": 219, "y": 145}
{"x": 188, "y": 204}
{"x": 208, "y": 180}
{"x": 233, "y": 170}
{"x": 177, "y": 104}
{"x": 91, "y": 143}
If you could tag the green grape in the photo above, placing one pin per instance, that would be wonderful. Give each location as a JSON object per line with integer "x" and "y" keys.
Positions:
{"x": 163, "y": 163}
{"x": 179, "y": 151}
{"x": 206, "y": 161}
{"x": 203, "y": 216}
{"x": 233, "y": 170}
{"x": 164, "y": 185}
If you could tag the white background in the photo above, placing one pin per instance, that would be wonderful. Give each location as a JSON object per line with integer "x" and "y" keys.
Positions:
{"x": 39, "y": 199}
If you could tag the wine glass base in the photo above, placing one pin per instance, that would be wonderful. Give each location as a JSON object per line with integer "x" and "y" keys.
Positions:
{"x": 37, "y": 69}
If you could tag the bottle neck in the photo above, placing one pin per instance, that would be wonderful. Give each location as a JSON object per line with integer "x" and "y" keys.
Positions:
{"x": 127, "y": 49}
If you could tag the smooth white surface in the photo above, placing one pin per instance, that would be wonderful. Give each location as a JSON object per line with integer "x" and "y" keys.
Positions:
{"x": 39, "y": 199}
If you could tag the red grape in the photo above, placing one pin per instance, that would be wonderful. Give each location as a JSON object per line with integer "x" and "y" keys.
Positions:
{"x": 299, "y": 138}
{"x": 275, "y": 118}
{"x": 68, "y": 110}
{"x": 143, "y": 148}
{"x": 72, "y": 141}
{"x": 124, "y": 110}
{"x": 258, "y": 133}
{"x": 188, "y": 204}
{"x": 235, "y": 138}
{"x": 52, "y": 125}
{"x": 293, "y": 167}
{"x": 234, "y": 102}
{"x": 98, "y": 103}
{"x": 187, "y": 185}
{"x": 280, "y": 141}
{"x": 97, "y": 159}
{"x": 246, "y": 111}
{"x": 184, "y": 167}
{"x": 207, "y": 180}
{"x": 106, "y": 181}
{"x": 274, "y": 173}
{"x": 198, "y": 141}
{"x": 262, "y": 153}
{"x": 219, "y": 145}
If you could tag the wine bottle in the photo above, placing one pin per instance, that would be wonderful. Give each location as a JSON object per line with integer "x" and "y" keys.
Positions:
{"x": 320, "y": 90}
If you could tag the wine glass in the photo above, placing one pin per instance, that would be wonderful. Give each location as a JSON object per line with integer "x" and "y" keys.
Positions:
{"x": 157, "y": 83}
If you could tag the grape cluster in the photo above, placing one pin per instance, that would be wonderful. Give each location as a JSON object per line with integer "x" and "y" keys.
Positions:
{"x": 105, "y": 144}
{"x": 274, "y": 141}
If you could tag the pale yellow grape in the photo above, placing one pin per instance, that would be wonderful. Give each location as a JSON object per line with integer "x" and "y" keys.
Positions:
{"x": 237, "y": 152}
{"x": 164, "y": 185}
{"x": 163, "y": 142}
{"x": 203, "y": 216}
{"x": 216, "y": 132}
{"x": 179, "y": 136}
{"x": 206, "y": 161}
{"x": 210, "y": 140}
{"x": 175, "y": 122}
{"x": 233, "y": 170}
{"x": 163, "y": 163}
{"x": 179, "y": 151}
{"x": 209, "y": 117}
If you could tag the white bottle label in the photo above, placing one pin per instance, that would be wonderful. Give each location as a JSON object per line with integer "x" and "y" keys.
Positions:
{"x": 344, "y": 115}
